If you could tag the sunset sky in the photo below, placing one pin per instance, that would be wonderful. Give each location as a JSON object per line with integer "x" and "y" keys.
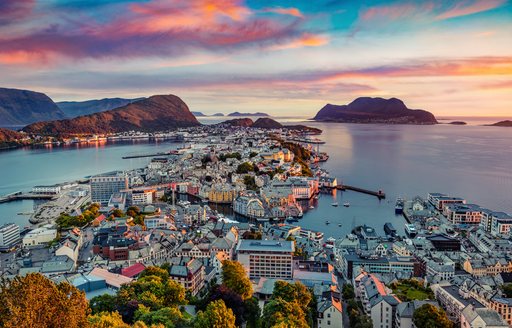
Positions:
{"x": 281, "y": 57}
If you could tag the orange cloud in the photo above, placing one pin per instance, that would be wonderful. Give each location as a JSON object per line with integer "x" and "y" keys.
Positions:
{"x": 306, "y": 40}
{"x": 285, "y": 11}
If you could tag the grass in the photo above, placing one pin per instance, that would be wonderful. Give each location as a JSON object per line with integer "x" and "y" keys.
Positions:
{"x": 408, "y": 290}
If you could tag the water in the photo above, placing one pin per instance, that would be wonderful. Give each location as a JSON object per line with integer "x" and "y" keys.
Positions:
{"x": 470, "y": 161}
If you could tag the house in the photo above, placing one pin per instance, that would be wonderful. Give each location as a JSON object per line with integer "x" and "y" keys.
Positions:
{"x": 112, "y": 280}
{"x": 329, "y": 309}
{"x": 481, "y": 318}
{"x": 405, "y": 311}
{"x": 133, "y": 270}
{"x": 188, "y": 272}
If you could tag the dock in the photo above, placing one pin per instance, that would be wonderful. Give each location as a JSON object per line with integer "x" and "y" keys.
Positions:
{"x": 20, "y": 196}
{"x": 379, "y": 194}
{"x": 147, "y": 155}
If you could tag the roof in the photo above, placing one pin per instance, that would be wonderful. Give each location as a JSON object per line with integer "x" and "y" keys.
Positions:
{"x": 490, "y": 317}
{"x": 112, "y": 279}
{"x": 133, "y": 270}
{"x": 266, "y": 246}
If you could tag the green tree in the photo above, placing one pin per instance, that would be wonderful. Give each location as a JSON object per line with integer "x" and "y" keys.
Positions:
{"x": 245, "y": 167}
{"x": 103, "y": 303}
{"x": 430, "y": 316}
{"x": 293, "y": 293}
{"x": 507, "y": 290}
{"x": 280, "y": 313}
{"x": 35, "y": 301}
{"x": 107, "y": 320}
{"x": 348, "y": 291}
{"x": 155, "y": 271}
{"x": 118, "y": 213}
{"x": 235, "y": 278}
{"x": 217, "y": 315}
{"x": 167, "y": 316}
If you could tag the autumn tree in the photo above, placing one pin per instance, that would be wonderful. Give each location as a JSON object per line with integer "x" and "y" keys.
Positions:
{"x": 216, "y": 315}
{"x": 107, "y": 320}
{"x": 431, "y": 316}
{"x": 35, "y": 301}
{"x": 235, "y": 278}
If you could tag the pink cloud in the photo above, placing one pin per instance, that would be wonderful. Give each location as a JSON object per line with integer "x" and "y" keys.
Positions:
{"x": 465, "y": 8}
{"x": 285, "y": 11}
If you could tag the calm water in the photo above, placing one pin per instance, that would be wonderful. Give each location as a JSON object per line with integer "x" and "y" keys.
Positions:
{"x": 468, "y": 161}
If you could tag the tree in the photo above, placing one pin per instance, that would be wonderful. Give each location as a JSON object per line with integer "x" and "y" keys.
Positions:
{"x": 507, "y": 290}
{"x": 167, "y": 316}
{"x": 280, "y": 313}
{"x": 292, "y": 293}
{"x": 245, "y": 167}
{"x": 235, "y": 278}
{"x": 348, "y": 291}
{"x": 217, "y": 315}
{"x": 117, "y": 213}
{"x": 103, "y": 303}
{"x": 431, "y": 316}
{"x": 155, "y": 271}
{"x": 107, "y": 320}
{"x": 37, "y": 301}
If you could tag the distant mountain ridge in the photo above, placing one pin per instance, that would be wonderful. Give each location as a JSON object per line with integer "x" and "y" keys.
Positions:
{"x": 78, "y": 108}
{"x": 198, "y": 114}
{"x": 375, "y": 110}
{"x": 156, "y": 113}
{"x": 247, "y": 114}
{"x": 22, "y": 107}
{"x": 506, "y": 123}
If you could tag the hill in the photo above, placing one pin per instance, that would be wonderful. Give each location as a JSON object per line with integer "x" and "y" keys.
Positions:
{"x": 198, "y": 114}
{"x": 156, "y": 113}
{"x": 241, "y": 122}
{"x": 10, "y": 138}
{"x": 374, "y": 110}
{"x": 507, "y": 123}
{"x": 78, "y": 108}
{"x": 267, "y": 123}
{"x": 248, "y": 114}
{"x": 21, "y": 107}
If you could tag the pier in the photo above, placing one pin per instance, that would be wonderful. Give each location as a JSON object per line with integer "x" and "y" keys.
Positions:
{"x": 20, "y": 196}
{"x": 147, "y": 155}
{"x": 379, "y": 194}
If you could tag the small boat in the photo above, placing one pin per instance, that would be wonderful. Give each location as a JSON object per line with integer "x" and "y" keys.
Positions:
{"x": 335, "y": 204}
{"x": 311, "y": 207}
{"x": 346, "y": 204}
{"x": 327, "y": 222}
{"x": 339, "y": 225}
{"x": 399, "y": 205}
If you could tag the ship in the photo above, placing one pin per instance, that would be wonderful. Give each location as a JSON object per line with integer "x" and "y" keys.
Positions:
{"x": 410, "y": 230}
{"x": 399, "y": 206}
{"x": 390, "y": 231}
{"x": 346, "y": 204}
{"x": 335, "y": 204}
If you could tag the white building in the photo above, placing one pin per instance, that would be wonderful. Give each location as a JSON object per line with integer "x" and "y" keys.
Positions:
{"x": 330, "y": 310}
{"x": 9, "y": 236}
{"x": 46, "y": 190}
{"x": 39, "y": 236}
{"x": 481, "y": 318}
{"x": 141, "y": 197}
{"x": 266, "y": 258}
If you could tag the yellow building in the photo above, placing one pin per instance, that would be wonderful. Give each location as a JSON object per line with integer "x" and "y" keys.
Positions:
{"x": 487, "y": 267}
{"x": 221, "y": 193}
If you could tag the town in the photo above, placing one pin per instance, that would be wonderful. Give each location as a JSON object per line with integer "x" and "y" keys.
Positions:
{"x": 232, "y": 193}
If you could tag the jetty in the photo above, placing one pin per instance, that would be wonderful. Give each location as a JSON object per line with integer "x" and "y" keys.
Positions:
{"x": 149, "y": 155}
{"x": 379, "y": 194}
{"x": 20, "y": 196}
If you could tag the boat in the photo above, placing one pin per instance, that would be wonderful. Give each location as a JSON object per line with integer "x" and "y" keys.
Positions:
{"x": 311, "y": 207}
{"x": 399, "y": 205}
{"x": 410, "y": 230}
{"x": 327, "y": 222}
{"x": 291, "y": 219}
{"x": 389, "y": 229}
{"x": 346, "y": 204}
{"x": 335, "y": 204}
{"x": 339, "y": 225}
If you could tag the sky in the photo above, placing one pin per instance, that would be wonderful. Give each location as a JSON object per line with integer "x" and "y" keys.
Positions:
{"x": 286, "y": 58}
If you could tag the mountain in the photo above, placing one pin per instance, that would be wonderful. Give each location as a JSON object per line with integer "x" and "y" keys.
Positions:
{"x": 242, "y": 122}
{"x": 218, "y": 114}
{"x": 22, "y": 107}
{"x": 507, "y": 123}
{"x": 156, "y": 113}
{"x": 247, "y": 114}
{"x": 267, "y": 123}
{"x": 374, "y": 110}
{"x": 78, "y": 108}
{"x": 198, "y": 114}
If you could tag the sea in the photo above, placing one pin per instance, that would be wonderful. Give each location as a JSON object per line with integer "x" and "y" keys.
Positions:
{"x": 472, "y": 161}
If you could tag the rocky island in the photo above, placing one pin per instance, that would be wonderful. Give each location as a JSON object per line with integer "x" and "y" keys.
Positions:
{"x": 248, "y": 114}
{"x": 156, "y": 113}
{"x": 374, "y": 110}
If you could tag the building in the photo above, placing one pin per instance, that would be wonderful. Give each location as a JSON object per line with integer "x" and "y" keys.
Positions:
{"x": 443, "y": 242}
{"x": 330, "y": 309}
{"x": 458, "y": 213}
{"x": 117, "y": 200}
{"x": 452, "y": 301}
{"x": 405, "y": 311}
{"x": 142, "y": 197}
{"x": 266, "y": 258}
{"x": 102, "y": 187}
{"x": 489, "y": 266}
{"x": 407, "y": 266}
{"x": 9, "y": 236}
{"x": 39, "y": 236}
{"x": 481, "y": 318}
{"x": 46, "y": 190}
{"x": 440, "y": 200}
{"x": 188, "y": 272}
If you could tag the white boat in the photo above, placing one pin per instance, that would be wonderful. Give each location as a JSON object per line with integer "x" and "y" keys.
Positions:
{"x": 335, "y": 204}
{"x": 327, "y": 222}
{"x": 311, "y": 207}
{"x": 347, "y": 204}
